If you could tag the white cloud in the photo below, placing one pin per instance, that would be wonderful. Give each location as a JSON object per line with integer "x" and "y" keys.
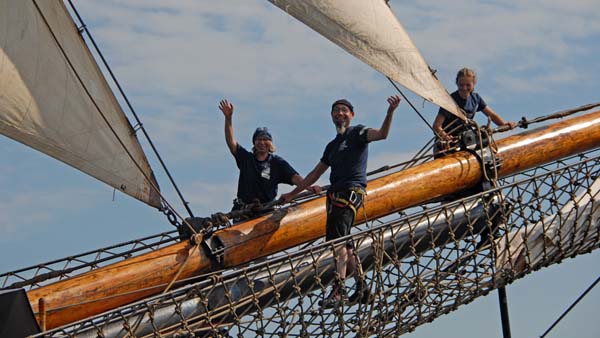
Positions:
{"x": 388, "y": 159}
{"x": 519, "y": 41}
{"x": 176, "y": 59}
{"x": 28, "y": 211}
{"x": 218, "y": 47}
{"x": 208, "y": 197}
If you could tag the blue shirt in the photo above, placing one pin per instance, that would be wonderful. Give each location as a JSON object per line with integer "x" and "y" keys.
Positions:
{"x": 471, "y": 105}
{"x": 259, "y": 179}
{"x": 347, "y": 156}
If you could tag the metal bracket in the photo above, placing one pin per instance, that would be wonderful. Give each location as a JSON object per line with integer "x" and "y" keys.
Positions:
{"x": 214, "y": 249}
{"x": 469, "y": 140}
{"x": 491, "y": 165}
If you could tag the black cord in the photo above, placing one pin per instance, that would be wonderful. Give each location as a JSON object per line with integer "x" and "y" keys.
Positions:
{"x": 410, "y": 103}
{"x": 139, "y": 125}
{"x": 570, "y": 307}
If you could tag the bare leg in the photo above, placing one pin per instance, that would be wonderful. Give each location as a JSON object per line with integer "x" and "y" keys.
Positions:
{"x": 343, "y": 260}
{"x": 351, "y": 263}
{"x": 361, "y": 293}
{"x": 338, "y": 292}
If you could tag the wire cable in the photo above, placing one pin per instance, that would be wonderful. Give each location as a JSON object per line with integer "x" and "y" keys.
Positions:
{"x": 410, "y": 103}
{"x": 140, "y": 125}
{"x": 571, "y": 307}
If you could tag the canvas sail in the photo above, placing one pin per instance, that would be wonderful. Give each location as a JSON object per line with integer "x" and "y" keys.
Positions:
{"x": 552, "y": 236}
{"x": 369, "y": 30}
{"x": 54, "y": 98}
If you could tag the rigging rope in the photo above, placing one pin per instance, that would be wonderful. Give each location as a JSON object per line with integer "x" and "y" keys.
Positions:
{"x": 68, "y": 60}
{"x": 139, "y": 125}
{"x": 410, "y": 103}
{"x": 415, "y": 280}
{"x": 457, "y": 242}
{"x": 524, "y": 123}
{"x": 571, "y": 307}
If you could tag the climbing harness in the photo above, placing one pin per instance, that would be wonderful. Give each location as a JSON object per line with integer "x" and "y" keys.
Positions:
{"x": 353, "y": 200}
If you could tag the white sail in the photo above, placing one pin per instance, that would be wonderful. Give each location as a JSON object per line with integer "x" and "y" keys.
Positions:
{"x": 369, "y": 30}
{"x": 571, "y": 229}
{"x": 54, "y": 98}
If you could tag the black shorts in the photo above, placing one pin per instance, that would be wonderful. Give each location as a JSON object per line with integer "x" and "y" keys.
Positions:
{"x": 341, "y": 212}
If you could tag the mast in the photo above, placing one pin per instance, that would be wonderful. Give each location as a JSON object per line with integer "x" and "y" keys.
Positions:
{"x": 97, "y": 291}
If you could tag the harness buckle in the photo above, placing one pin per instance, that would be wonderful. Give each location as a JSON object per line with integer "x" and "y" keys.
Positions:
{"x": 353, "y": 197}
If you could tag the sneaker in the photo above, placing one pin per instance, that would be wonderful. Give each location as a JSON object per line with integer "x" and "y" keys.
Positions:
{"x": 334, "y": 299}
{"x": 361, "y": 294}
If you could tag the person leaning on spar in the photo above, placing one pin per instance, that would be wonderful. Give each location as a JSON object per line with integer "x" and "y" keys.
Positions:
{"x": 347, "y": 156}
{"x": 448, "y": 127}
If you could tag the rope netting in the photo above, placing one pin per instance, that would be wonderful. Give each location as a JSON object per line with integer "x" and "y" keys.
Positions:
{"x": 53, "y": 271}
{"x": 418, "y": 265}
{"x": 48, "y": 272}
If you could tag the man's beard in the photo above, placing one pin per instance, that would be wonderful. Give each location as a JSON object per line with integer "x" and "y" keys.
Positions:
{"x": 340, "y": 126}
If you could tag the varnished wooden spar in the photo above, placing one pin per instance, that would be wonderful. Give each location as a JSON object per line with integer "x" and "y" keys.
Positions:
{"x": 118, "y": 284}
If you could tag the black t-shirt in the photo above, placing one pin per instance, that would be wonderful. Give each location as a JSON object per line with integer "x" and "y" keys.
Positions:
{"x": 347, "y": 156}
{"x": 259, "y": 179}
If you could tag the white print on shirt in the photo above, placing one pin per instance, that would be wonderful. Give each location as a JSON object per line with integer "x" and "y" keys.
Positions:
{"x": 266, "y": 172}
{"x": 343, "y": 146}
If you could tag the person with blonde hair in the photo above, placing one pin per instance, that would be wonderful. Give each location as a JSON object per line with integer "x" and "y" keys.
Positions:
{"x": 448, "y": 127}
{"x": 261, "y": 171}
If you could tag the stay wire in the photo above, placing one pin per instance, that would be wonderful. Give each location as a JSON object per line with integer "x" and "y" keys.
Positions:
{"x": 140, "y": 125}
{"x": 427, "y": 147}
{"x": 410, "y": 103}
{"x": 524, "y": 123}
{"x": 571, "y": 307}
{"x": 97, "y": 107}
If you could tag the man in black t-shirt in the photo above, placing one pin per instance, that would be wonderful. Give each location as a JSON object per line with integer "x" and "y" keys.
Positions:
{"x": 347, "y": 156}
{"x": 260, "y": 170}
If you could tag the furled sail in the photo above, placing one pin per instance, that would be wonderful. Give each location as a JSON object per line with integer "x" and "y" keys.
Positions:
{"x": 54, "y": 98}
{"x": 557, "y": 234}
{"x": 369, "y": 30}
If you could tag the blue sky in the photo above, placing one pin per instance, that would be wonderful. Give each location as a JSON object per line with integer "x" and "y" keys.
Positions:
{"x": 176, "y": 60}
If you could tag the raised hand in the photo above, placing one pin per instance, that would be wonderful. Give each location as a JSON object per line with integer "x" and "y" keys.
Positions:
{"x": 227, "y": 108}
{"x": 393, "y": 101}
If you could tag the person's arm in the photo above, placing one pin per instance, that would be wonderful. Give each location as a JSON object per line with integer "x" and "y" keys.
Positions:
{"x": 499, "y": 121}
{"x": 382, "y": 133}
{"x": 437, "y": 125}
{"x": 227, "y": 108}
{"x": 297, "y": 179}
{"x": 309, "y": 180}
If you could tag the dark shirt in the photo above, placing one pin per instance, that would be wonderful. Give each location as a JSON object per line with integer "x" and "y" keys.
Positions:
{"x": 347, "y": 156}
{"x": 452, "y": 124}
{"x": 259, "y": 179}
